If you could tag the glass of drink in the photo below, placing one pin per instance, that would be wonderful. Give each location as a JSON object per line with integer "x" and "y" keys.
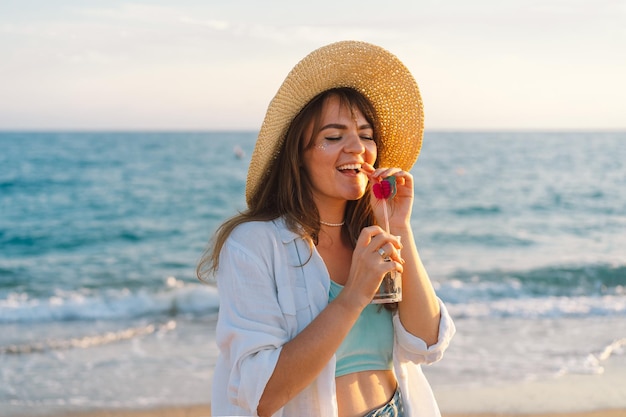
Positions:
{"x": 390, "y": 290}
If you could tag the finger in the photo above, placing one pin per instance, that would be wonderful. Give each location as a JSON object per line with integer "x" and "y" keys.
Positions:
{"x": 404, "y": 178}
{"x": 387, "y": 238}
{"x": 380, "y": 238}
{"x": 383, "y": 172}
{"x": 392, "y": 266}
{"x": 368, "y": 234}
{"x": 388, "y": 252}
{"x": 387, "y": 242}
{"x": 368, "y": 169}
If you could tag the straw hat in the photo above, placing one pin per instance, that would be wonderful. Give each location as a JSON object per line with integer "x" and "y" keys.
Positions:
{"x": 369, "y": 69}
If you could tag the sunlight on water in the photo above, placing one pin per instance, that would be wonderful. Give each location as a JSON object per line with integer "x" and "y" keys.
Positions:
{"x": 522, "y": 234}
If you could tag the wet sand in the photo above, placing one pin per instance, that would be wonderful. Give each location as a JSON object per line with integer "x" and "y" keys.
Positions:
{"x": 602, "y": 395}
{"x": 204, "y": 411}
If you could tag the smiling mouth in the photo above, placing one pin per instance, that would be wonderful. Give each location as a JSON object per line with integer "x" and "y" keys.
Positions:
{"x": 350, "y": 167}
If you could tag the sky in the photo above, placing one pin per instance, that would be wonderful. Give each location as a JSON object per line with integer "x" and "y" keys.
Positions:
{"x": 215, "y": 65}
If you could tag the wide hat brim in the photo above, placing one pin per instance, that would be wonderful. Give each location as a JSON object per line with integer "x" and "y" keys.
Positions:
{"x": 369, "y": 69}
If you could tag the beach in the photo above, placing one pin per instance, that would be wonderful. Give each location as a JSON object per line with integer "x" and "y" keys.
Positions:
{"x": 576, "y": 395}
{"x": 570, "y": 396}
{"x": 204, "y": 411}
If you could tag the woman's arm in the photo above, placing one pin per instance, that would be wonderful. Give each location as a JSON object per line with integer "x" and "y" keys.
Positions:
{"x": 303, "y": 358}
{"x": 419, "y": 309}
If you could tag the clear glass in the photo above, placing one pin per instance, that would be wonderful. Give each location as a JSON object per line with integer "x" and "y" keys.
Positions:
{"x": 390, "y": 290}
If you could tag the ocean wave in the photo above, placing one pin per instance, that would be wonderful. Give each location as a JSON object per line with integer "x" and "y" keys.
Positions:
{"x": 121, "y": 304}
{"x": 481, "y": 239}
{"x": 478, "y": 210}
{"x": 544, "y": 307}
{"x": 555, "y": 291}
{"x": 564, "y": 281}
{"x": 87, "y": 341}
{"x": 594, "y": 363}
{"x": 47, "y": 240}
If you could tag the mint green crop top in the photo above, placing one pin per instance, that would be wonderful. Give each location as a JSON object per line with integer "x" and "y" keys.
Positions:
{"x": 369, "y": 345}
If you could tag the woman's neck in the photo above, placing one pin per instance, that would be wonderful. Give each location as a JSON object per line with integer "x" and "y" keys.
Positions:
{"x": 332, "y": 213}
{"x": 336, "y": 251}
{"x": 329, "y": 236}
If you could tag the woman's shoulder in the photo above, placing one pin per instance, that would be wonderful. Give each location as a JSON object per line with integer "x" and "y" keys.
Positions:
{"x": 254, "y": 227}
{"x": 262, "y": 232}
{"x": 259, "y": 241}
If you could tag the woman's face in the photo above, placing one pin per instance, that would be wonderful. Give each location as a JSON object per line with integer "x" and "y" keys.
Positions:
{"x": 334, "y": 158}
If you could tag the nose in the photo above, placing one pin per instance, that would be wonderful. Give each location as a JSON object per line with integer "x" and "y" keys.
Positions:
{"x": 354, "y": 143}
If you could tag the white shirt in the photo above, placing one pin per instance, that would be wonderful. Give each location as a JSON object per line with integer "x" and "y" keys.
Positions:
{"x": 266, "y": 299}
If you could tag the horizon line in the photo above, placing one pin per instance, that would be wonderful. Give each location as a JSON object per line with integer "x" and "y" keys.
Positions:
{"x": 232, "y": 130}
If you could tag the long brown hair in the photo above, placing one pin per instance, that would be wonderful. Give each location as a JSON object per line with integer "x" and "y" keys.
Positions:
{"x": 288, "y": 191}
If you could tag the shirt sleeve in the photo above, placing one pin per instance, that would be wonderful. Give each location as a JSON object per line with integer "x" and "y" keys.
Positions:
{"x": 414, "y": 349}
{"x": 251, "y": 327}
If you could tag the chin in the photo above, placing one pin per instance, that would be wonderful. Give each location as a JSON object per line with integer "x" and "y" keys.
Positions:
{"x": 356, "y": 195}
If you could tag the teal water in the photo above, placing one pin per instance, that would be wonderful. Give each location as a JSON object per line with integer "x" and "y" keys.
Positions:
{"x": 100, "y": 233}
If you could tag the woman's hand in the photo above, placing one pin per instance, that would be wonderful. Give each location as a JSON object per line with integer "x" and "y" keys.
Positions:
{"x": 398, "y": 208}
{"x": 376, "y": 253}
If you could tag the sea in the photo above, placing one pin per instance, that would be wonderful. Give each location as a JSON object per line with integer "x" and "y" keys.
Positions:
{"x": 523, "y": 234}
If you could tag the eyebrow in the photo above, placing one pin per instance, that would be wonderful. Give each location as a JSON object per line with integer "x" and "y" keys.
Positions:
{"x": 340, "y": 126}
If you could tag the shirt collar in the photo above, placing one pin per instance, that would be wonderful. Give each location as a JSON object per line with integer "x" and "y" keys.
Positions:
{"x": 285, "y": 234}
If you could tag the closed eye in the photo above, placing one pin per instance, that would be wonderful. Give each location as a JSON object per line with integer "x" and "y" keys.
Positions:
{"x": 365, "y": 131}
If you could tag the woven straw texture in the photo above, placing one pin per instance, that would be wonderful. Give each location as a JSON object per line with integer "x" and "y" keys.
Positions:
{"x": 369, "y": 69}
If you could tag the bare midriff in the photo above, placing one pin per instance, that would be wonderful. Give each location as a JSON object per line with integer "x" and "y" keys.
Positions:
{"x": 361, "y": 392}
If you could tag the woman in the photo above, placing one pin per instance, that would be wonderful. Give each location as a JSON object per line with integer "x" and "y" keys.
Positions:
{"x": 298, "y": 269}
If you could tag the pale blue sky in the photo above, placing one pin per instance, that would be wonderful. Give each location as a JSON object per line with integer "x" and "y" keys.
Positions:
{"x": 191, "y": 64}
